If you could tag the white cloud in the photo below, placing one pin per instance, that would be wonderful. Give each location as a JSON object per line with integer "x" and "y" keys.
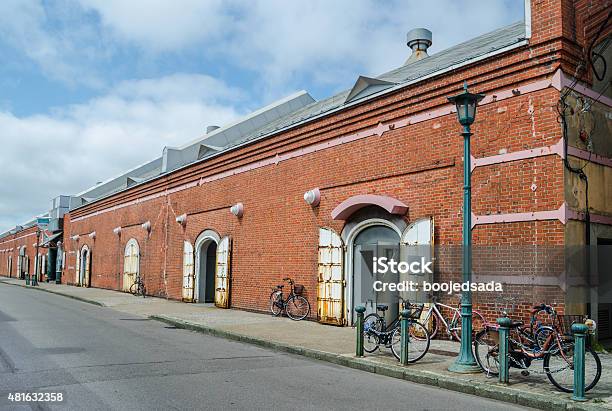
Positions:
{"x": 62, "y": 53}
{"x": 160, "y": 24}
{"x": 74, "y": 147}
{"x": 285, "y": 41}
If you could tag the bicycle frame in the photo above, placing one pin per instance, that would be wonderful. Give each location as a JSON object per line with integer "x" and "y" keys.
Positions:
{"x": 433, "y": 308}
{"x": 539, "y": 354}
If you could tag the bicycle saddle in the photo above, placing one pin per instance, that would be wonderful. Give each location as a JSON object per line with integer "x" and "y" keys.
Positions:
{"x": 382, "y": 307}
{"x": 516, "y": 324}
{"x": 280, "y": 286}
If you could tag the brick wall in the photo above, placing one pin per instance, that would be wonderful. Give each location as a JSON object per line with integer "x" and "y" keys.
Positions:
{"x": 420, "y": 164}
{"x": 15, "y": 241}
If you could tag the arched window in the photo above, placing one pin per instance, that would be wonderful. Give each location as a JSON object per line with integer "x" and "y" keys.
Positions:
{"x": 131, "y": 263}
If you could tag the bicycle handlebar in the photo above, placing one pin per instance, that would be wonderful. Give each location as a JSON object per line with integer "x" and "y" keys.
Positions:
{"x": 543, "y": 307}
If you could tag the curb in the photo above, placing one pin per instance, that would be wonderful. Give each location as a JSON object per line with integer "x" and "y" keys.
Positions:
{"x": 494, "y": 391}
{"x": 74, "y": 297}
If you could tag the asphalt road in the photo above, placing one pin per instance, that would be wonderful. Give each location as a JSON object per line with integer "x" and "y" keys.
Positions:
{"x": 99, "y": 358}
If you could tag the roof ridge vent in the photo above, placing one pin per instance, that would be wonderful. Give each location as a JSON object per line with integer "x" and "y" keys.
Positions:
{"x": 419, "y": 41}
{"x": 210, "y": 129}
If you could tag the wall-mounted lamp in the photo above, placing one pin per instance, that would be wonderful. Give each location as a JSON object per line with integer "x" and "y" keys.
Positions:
{"x": 75, "y": 237}
{"x": 92, "y": 235}
{"x": 313, "y": 197}
{"x": 117, "y": 231}
{"x": 182, "y": 219}
{"x": 237, "y": 209}
{"x": 147, "y": 226}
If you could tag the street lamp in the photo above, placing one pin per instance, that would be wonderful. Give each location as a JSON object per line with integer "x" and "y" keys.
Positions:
{"x": 466, "y": 103}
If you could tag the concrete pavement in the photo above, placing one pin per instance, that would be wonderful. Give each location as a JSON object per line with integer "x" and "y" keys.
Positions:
{"x": 336, "y": 344}
{"x": 103, "y": 359}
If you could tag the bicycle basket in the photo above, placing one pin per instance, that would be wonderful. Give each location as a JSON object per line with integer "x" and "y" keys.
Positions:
{"x": 415, "y": 310}
{"x": 298, "y": 289}
{"x": 564, "y": 323}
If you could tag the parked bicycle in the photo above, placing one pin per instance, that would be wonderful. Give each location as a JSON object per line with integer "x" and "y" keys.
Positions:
{"x": 377, "y": 332}
{"x": 525, "y": 346}
{"x": 138, "y": 288}
{"x": 452, "y": 325}
{"x": 296, "y": 306}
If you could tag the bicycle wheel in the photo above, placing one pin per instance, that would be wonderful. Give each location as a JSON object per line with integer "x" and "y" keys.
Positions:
{"x": 486, "y": 351}
{"x": 560, "y": 368}
{"x": 418, "y": 342}
{"x": 276, "y": 304}
{"x": 371, "y": 342}
{"x": 134, "y": 289}
{"x": 297, "y": 307}
{"x": 373, "y": 321}
{"x": 478, "y": 323}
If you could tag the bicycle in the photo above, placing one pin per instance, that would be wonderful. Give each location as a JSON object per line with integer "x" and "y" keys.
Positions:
{"x": 556, "y": 352}
{"x": 453, "y": 326}
{"x": 138, "y": 288}
{"x": 296, "y": 306}
{"x": 376, "y": 332}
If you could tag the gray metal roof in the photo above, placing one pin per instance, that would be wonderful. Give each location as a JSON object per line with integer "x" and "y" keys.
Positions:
{"x": 464, "y": 52}
{"x": 299, "y": 108}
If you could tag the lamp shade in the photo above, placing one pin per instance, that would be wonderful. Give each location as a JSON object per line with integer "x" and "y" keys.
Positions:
{"x": 313, "y": 197}
{"x": 466, "y": 103}
{"x": 237, "y": 210}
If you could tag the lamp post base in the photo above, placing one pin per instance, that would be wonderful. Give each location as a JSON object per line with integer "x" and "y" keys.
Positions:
{"x": 464, "y": 368}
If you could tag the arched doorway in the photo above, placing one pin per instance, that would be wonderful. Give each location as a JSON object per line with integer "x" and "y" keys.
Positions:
{"x": 205, "y": 266}
{"x": 22, "y": 263}
{"x": 85, "y": 266}
{"x": 10, "y": 265}
{"x": 131, "y": 264}
{"x": 374, "y": 239}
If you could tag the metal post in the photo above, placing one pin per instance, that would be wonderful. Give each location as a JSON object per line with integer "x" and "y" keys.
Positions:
{"x": 465, "y": 362}
{"x": 504, "y": 365}
{"x": 359, "y": 329}
{"x": 579, "y": 331}
{"x": 404, "y": 336}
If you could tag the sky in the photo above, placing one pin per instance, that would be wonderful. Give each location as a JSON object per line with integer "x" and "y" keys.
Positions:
{"x": 90, "y": 88}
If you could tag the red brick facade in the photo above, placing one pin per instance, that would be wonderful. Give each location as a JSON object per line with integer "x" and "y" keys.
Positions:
{"x": 420, "y": 164}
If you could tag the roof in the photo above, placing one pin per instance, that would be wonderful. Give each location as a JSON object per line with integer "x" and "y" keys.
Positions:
{"x": 300, "y": 107}
{"x": 464, "y": 52}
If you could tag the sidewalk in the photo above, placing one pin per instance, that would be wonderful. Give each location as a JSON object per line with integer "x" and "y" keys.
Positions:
{"x": 337, "y": 345}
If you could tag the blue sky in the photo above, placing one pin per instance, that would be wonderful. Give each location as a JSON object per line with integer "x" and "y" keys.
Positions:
{"x": 89, "y": 88}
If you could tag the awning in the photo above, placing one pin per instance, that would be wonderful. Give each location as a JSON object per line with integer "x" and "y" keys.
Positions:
{"x": 51, "y": 238}
{"x": 349, "y": 206}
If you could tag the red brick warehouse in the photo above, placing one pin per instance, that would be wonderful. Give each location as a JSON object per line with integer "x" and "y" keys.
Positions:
{"x": 313, "y": 189}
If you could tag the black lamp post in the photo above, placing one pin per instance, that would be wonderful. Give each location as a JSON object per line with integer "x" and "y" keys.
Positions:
{"x": 466, "y": 103}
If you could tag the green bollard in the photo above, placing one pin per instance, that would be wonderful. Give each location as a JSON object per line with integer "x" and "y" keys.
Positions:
{"x": 27, "y": 279}
{"x": 404, "y": 336}
{"x": 504, "y": 332}
{"x": 579, "y": 331}
{"x": 359, "y": 348}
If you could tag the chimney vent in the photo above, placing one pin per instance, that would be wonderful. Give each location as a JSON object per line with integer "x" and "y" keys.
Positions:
{"x": 210, "y": 129}
{"x": 419, "y": 41}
